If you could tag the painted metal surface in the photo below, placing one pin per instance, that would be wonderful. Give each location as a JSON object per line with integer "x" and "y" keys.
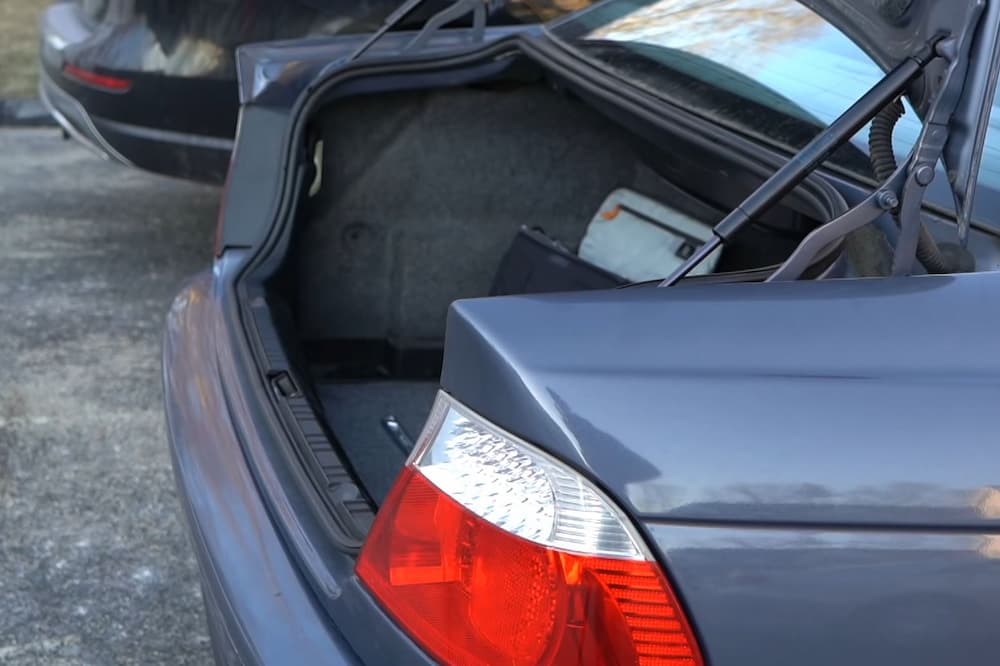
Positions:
{"x": 276, "y": 74}
{"x": 277, "y": 588}
{"x": 848, "y": 402}
{"x": 815, "y": 463}
{"x": 272, "y": 615}
{"x": 800, "y": 596}
{"x": 196, "y": 39}
{"x": 177, "y": 52}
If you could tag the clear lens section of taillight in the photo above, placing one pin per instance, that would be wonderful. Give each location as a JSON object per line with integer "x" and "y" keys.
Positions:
{"x": 519, "y": 489}
{"x": 488, "y": 551}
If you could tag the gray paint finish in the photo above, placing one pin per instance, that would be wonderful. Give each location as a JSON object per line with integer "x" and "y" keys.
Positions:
{"x": 814, "y": 463}
{"x": 769, "y": 596}
{"x": 270, "y": 613}
{"x": 854, "y": 402}
{"x": 282, "y": 593}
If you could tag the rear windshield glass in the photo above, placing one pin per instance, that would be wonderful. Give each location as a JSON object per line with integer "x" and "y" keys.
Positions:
{"x": 772, "y": 69}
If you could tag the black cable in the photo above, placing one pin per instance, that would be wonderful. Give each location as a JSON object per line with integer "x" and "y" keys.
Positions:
{"x": 883, "y": 160}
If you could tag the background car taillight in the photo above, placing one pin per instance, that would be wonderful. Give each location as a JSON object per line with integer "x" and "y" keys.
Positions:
{"x": 104, "y": 82}
{"x": 488, "y": 551}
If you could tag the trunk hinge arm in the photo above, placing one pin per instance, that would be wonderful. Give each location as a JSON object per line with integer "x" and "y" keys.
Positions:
{"x": 902, "y": 193}
{"x": 817, "y": 151}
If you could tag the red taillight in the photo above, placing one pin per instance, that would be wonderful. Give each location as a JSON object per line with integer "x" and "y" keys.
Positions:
{"x": 471, "y": 592}
{"x": 109, "y": 83}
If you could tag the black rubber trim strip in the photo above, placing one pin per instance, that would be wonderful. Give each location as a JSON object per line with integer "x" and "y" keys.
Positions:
{"x": 314, "y": 447}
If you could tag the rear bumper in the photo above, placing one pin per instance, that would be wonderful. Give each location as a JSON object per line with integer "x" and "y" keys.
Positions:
{"x": 260, "y": 609}
{"x": 277, "y": 590}
{"x": 75, "y": 119}
{"x": 176, "y": 126}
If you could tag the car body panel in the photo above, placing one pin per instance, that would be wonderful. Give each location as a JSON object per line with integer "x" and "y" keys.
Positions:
{"x": 196, "y": 39}
{"x": 277, "y": 81}
{"x": 828, "y": 598}
{"x": 249, "y": 576}
{"x": 814, "y": 463}
{"x": 882, "y": 43}
{"x": 275, "y": 587}
{"x": 895, "y": 29}
{"x": 840, "y": 402}
{"x": 275, "y": 74}
{"x": 888, "y": 31}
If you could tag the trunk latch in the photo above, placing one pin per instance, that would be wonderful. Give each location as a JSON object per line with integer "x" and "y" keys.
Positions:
{"x": 284, "y": 385}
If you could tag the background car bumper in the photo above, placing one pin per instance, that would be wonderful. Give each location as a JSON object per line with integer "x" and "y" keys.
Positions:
{"x": 174, "y": 125}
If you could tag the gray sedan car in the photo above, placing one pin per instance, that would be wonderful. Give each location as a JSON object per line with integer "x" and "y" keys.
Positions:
{"x": 664, "y": 334}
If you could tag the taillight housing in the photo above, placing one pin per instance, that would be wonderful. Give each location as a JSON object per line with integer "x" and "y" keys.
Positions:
{"x": 104, "y": 82}
{"x": 488, "y": 551}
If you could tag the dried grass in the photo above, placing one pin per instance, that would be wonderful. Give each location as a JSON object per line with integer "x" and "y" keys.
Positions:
{"x": 19, "y": 47}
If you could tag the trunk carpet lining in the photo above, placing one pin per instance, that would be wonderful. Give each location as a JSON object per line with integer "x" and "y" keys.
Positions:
{"x": 354, "y": 412}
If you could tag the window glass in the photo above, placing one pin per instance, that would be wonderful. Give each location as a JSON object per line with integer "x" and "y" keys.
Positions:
{"x": 773, "y": 69}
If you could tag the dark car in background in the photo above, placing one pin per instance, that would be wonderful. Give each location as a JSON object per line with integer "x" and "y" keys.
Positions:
{"x": 152, "y": 83}
{"x": 602, "y": 344}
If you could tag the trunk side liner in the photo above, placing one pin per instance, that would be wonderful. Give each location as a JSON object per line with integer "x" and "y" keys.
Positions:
{"x": 315, "y": 447}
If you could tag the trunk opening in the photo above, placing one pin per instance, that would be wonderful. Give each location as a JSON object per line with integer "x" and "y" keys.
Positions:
{"x": 421, "y": 199}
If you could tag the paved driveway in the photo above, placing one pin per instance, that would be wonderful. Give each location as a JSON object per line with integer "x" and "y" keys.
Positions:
{"x": 95, "y": 566}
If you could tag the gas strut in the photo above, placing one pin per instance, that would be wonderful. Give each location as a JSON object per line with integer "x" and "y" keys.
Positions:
{"x": 793, "y": 172}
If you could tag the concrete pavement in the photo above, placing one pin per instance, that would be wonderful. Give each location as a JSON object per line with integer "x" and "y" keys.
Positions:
{"x": 95, "y": 567}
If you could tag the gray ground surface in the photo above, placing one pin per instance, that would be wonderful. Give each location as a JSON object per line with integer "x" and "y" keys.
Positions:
{"x": 95, "y": 566}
